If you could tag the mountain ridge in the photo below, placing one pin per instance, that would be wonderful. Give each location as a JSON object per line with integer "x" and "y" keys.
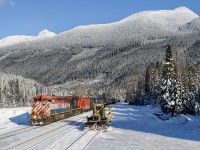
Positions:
{"x": 134, "y": 24}
{"x": 161, "y": 20}
{"x": 113, "y": 55}
{"x": 16, "y": 39}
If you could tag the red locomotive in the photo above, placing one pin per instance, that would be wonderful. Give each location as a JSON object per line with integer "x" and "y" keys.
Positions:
{"x": 47, "y": 109}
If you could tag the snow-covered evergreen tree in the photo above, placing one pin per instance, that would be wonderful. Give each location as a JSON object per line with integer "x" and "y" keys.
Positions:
{"x": 191, "y": 101}
{"x": 171, "y": 101}
{"x": 178, "y": 66}
{"x": 177, "y": 109}
{"x": 166, "y": 88}
{"x": 152, "y": 82}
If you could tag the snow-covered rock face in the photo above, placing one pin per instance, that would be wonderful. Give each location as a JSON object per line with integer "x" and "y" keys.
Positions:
{"x": 16, "y": 39}
{"x": 193, "y": 26}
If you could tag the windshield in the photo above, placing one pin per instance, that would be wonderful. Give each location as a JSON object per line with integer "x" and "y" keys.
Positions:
{"x": 45, "y": 99}
{"x": 37, "y": 99}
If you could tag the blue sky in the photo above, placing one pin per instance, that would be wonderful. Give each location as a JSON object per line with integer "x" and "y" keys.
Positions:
{"x": 29, "y": 17}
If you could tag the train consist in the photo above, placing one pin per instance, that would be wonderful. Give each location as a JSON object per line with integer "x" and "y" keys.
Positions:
{"x": 47, "y": 109}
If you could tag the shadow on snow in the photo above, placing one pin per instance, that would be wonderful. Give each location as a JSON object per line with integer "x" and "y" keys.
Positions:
{"x": 78, "y": 124}
{"x": 22, "y": 119}
{"x": 142, "y": 119}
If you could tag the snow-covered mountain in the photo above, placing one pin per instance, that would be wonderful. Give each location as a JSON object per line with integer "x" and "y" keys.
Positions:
{"x": 10, "y": 40}
{"x": 140, "y": 26}
{"x": 45, "y": 34}
{"x": 169, "y": 19}
{"x": 16, "y": 39}
{"x": 115, "y": 53}
{"x": 193, "y": 26}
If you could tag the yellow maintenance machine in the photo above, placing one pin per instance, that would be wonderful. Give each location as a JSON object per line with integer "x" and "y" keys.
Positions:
{"x": 98, "y": 120}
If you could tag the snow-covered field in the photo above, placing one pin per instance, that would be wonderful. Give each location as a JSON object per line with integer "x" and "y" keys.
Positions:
{"x": 132, "y": 127}
{"x": 14, "y": 118}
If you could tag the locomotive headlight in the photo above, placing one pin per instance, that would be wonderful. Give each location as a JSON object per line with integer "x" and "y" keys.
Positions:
{"x": 34, "y": 117}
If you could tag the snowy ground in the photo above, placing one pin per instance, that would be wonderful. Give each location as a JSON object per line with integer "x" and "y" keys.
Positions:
{"x": 136, "y": 127}
{"x": 14, "y": 118}
{"x": 132, "y": 127}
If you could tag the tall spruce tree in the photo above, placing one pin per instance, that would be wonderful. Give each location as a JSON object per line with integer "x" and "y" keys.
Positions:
{"x": 178, "y": 65}
{"x": 169, "y": 89}
{"x": 166, "y": 88}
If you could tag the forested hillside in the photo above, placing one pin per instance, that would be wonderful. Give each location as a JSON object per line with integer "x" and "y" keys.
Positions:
{"x": 108, "y": 60}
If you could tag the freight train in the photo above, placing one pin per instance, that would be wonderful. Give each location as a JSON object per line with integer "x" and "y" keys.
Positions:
{"x": 47, "y": 109}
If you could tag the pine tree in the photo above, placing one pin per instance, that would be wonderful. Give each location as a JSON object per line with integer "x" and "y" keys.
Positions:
{"x": 152, "y": 83}
{"x": 149, "y": 85}
{"x": 17, "y": 92}
{"x": 178, "y": 65}
{"x": 148, "y": 78}
{"x": 168, "y": 88}
{"x": 191, "y": 93}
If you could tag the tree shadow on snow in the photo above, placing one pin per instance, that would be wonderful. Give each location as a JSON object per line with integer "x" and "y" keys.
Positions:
{"x": 23, "y": 119}
{"x": 139, "y": 119}
{"x": 76, "y": 124}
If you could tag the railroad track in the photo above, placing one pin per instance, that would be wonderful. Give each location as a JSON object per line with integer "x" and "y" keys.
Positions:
{"x": 25, "y": 129}
{"x": 34, "y": 141}
{"x": 15, "y": 132}
{"x": 72, "y": 145}
{"x": 76, "y": 140}
{"x": 91, "y": 139}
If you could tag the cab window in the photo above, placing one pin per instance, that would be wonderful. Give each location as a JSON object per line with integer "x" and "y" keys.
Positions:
{"x": 47, "y": 100}
{"x": 37, "y": 99}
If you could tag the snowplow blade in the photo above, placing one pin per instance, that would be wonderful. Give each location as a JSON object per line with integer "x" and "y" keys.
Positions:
{"x": 93, "y": 125}
{"x": 98, "y": 120}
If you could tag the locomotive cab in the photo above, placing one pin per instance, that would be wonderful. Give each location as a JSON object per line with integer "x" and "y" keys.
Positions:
{"x": 41, "y": 110}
